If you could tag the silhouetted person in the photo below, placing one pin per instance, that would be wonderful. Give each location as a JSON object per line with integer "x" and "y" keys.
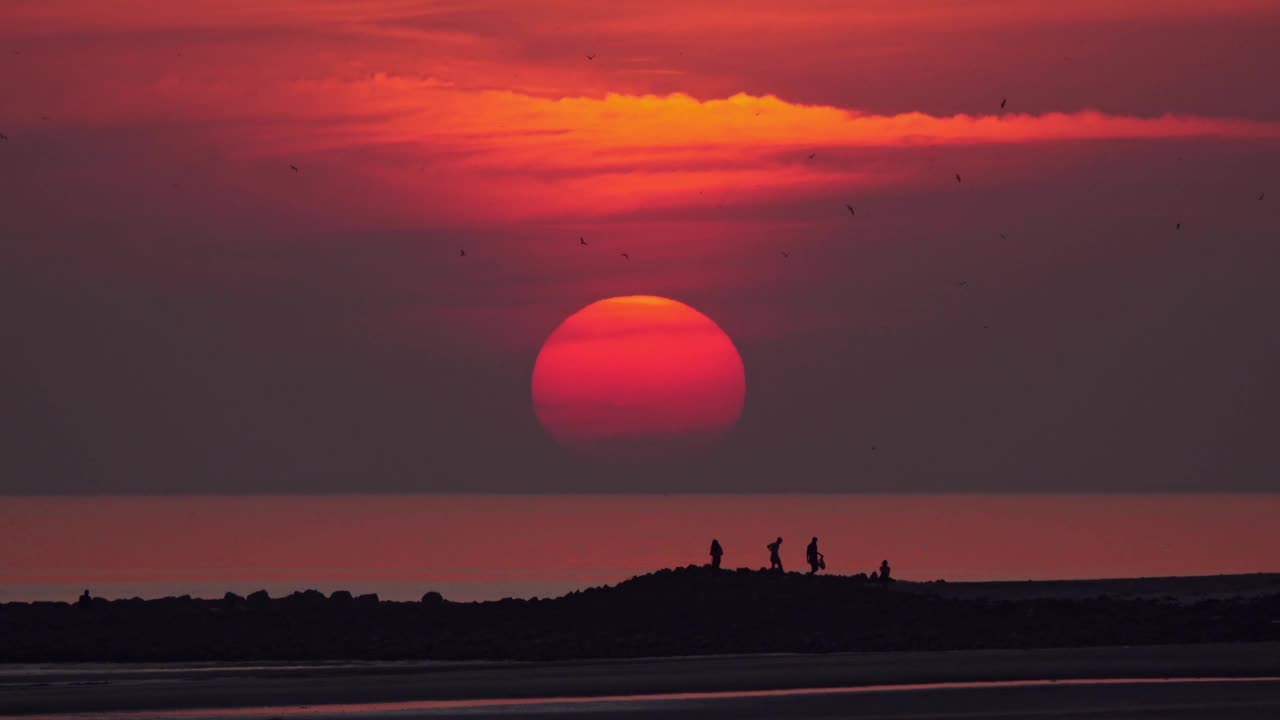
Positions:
{"x": 84, "y": 600}
{"x": 775, "y": 560}
{"x": 884, "y": 571}
{"x": 813, "y": 557}
{"x": 716, "y": 552}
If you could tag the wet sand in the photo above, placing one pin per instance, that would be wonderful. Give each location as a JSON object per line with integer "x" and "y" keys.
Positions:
{"x": 104, "y": 688}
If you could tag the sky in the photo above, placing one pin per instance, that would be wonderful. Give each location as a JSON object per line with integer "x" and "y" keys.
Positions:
{"x": 1088, "y": 306}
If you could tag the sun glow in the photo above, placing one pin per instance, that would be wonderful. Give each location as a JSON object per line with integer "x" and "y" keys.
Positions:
{"x": 638, "y": 368}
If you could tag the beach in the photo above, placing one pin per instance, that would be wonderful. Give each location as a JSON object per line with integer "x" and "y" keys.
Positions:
{"x": 100, "y": 688}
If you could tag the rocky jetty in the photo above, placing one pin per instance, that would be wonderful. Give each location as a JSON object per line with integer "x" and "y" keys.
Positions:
{"x": 686, "y": 611}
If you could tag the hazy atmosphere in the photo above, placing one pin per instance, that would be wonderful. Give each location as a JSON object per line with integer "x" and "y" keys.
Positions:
{"x": 990, "y": 246}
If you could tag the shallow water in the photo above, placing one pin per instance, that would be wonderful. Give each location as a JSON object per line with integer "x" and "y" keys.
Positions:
{"x": 659, "y": 702}
{"x": 492, "y": 546}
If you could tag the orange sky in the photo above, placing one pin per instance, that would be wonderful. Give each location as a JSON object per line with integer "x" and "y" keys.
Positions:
{"x": 156, "y": 227}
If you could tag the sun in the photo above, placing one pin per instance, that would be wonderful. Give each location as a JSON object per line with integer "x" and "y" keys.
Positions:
{"x": 638, "y": 374}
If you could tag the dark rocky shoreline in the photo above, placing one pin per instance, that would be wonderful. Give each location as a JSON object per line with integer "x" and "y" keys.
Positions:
{"x": 688, "y": 611}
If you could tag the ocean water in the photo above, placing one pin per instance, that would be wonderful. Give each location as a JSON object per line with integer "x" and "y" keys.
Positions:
{"x": 491, "y": 546}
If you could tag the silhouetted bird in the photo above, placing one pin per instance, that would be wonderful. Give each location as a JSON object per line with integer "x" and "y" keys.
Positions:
{"x": 45, "y": 118}
{"x": 850, "y": 209}
{"x": 1002, "y": 102}
{"x": 591, "y": 57}
{"x": 958, "y": 177}
{"x": 1002, "y": 237}
{"x": 1260, "y": 195}
{"x": 812, "y": 155}
{"x": 462, "y": 253}
{"x": 962, "y": 283}
{"x": 582, "y": 241}
{"x": 874, "y": 448}
{"x": 626, "y": 256}
{"x": 786, "y": 254}
{"x": 293, "y": 168}
{"x": 1178, "y": 226}
{"x": 6, "y": 137}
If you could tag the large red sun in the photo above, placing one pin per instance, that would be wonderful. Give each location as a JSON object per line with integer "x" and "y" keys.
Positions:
{"x": 638, "y": 372}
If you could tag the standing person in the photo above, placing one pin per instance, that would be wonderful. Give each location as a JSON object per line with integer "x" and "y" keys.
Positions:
{"x": 884, "y": 571}
{"x": 716, "y": 552}
{"x": 813, "y": 557}
{"x": 775, "y": 560}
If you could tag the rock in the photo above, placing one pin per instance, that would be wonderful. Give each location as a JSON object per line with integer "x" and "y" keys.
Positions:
{"x": 691, "y": 611}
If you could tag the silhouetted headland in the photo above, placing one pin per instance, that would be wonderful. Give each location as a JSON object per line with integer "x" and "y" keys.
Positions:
{"x": 686, "y": 611}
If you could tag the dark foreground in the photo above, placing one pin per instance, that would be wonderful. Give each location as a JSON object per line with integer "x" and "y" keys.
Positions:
{"x": 691, "y": 611}
{"x": 663, "y": 687}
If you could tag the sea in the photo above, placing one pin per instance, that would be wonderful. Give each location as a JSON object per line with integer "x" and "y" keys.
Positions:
{"x": 482, "y": 547}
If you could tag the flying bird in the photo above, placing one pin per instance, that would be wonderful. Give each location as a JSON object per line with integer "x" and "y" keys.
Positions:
{"x": 962, "y": 283}
{"x": 850, "y": 209}
{"x": 462, "y": 253}
{"x": 812, "y": 155}
{"x": 786, "y": 254}
{"x": 591, "y": 57}
{"x": 1260, "y": 195}
{"x": 293, "y": 168}
{"x": 582, "y": 240}
{"x": 626, "y": 256}
{"x": 1178, "y": 226}
{"x": 6, "y": 137}
{"x": 957, "y": 177}
{"x": 1002, "y": 102}
{"x": 1002, "y": 237}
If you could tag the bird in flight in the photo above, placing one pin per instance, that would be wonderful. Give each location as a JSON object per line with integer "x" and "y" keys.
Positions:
{"x": 462, "y": 253}
{"x": 957, "y": 177}
{"x": 1178, "y": 226}
{"x": 786, "y": 254}
{"x": 812, "y": 155}
{"x": 293, "y": 168}
{"x": 850, "y": 207}
{"x": 1002, "y": 237}
{"x": 626, "y": 256}
{"x": 591, "y": 56}
{"x": 1002, "y": 102}
{"x": 962, "y": 283}
{"x": 6, "y": 137}
{"x": 582, "y": 240}
{"x": 1260, "y": 195}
